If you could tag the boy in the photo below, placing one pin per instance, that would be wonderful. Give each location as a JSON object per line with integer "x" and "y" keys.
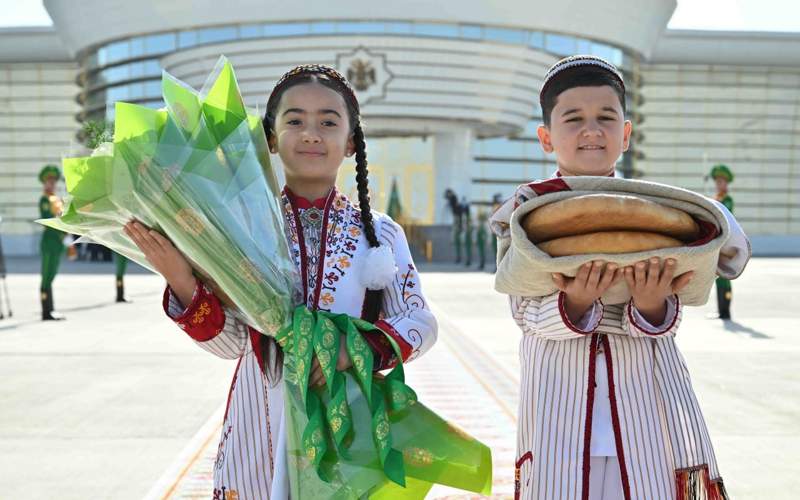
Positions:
{"x": 606, "y": 407}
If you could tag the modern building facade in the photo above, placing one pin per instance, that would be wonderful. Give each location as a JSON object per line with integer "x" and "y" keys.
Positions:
{"x": 449, "y": 92}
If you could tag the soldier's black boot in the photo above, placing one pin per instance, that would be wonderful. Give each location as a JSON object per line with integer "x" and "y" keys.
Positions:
{"x": 724, "y": 303}
{"x": 121, "y": 292}
{"x": 47, "y": 307}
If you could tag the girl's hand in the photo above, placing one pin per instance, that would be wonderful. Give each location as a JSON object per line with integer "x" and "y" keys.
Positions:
{"x": 588, "y": 285}
{"x": 343, "y": 362}
{"x": 165, "y": 258}
{"x": 650, "y": 285}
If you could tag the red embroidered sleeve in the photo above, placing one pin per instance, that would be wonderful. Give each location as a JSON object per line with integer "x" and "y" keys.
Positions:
{"x": 383, "y": 349}
{"x": 204, "y": 318}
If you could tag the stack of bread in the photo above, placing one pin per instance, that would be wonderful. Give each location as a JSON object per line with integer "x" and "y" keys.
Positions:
{"x": 557, "y": 225}
{"x": 607, "y": 223}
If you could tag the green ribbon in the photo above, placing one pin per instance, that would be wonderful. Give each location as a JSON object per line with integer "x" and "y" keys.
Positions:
{"x": 319, "y": 333}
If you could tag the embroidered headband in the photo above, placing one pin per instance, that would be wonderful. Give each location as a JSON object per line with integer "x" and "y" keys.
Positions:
{"x": 318, "y": 69}
{"x": 578, "y": 61}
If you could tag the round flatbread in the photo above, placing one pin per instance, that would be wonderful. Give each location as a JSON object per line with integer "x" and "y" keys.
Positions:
{"x": 612, "y": 242}
{"x": 592, "y": 213}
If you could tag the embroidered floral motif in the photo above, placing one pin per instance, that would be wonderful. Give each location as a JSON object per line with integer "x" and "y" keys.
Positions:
{"x": 342, "y": 234}
{"x": 199, "y": 316}
{"x": 326, "y": 299}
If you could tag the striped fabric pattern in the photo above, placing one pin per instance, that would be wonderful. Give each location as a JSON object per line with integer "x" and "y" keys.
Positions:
{"x": 658, "y": 427}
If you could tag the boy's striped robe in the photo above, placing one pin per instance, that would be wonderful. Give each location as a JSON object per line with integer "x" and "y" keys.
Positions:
{"x": 662, "y": 442}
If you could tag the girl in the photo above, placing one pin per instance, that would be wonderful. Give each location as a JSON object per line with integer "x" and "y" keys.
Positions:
{"x": 351, "y": 260}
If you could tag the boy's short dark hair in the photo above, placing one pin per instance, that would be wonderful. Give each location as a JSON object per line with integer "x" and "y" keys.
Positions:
{"x": 578, "y": 71}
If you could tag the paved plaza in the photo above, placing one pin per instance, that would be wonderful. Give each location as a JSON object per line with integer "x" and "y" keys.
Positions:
{"x": 116, "y": 402}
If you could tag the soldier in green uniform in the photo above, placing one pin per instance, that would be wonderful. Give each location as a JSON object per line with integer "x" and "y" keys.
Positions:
{"x": 467, "y": 226}
{"x": 497, "y": 202}
{"x": 723, "y": 176}
{"x": 51, "y": 247}
{"x": 122, "y": 264}
{"x": 455, "y": 209}
{"x": 480, "y": 239}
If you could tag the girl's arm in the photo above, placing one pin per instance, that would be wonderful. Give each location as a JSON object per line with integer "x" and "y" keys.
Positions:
{"x": 211, "y": 325}
{"x": 406, "y": 315}
{"x": 186, "y": 301}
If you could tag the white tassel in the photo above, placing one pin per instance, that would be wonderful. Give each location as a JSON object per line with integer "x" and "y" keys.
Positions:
{"x": 379, "y": 268}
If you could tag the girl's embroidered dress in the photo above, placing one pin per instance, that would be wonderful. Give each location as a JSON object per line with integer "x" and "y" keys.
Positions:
{"x": 329, "y": 249}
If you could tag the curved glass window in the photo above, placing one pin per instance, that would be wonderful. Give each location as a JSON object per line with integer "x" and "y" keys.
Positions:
{"x": 504, "y": 35}
{"x": 123, "y": 72}
{"x": 470, "y": 31}
{"x": 129, "y": 69}
{"x": 214, "y": 35}
{"x": 161, "y": 43}
{"x": 431, "y": 29}
{"x": 158, "y": 44}
{"x": 285, "y": 29}
{"x": 560, "y": 44}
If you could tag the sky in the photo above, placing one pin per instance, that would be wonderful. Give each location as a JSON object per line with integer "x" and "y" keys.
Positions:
{"x": 738, "y": 15}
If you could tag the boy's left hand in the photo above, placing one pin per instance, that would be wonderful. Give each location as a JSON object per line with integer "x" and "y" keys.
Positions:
{"x": 316, "y": 378}
{"x": 650, "y": 285}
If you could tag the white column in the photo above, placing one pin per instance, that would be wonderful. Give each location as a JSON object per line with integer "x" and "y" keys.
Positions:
{"x": 452, "y": 163}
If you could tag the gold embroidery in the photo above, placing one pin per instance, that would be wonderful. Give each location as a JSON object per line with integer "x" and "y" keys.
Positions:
{"x": 419, "y": 457}
{"x": 181, "y": 114}
{"x": 166, "y": 180}
{"x": 324, "y": 358}
{"x": 336, "y": 424}
{"x": 190, "y": 221}
{"x": 382, "y": 430}
{"x": 326, "y": 299}
{"x": 143, "y": 166}
{"x": 248, "y": 270}
{"x": 201, "y": 313}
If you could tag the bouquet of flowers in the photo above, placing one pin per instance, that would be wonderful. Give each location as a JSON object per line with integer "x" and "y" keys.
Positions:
{"x": 198, "y": 171}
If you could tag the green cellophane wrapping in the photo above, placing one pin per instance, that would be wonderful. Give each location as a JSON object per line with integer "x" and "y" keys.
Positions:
{"x": 385, "y": 446}
{"x": 197, "y": 171}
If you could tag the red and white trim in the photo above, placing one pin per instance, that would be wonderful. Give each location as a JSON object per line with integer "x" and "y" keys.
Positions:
{"x": 204, "y": 318}
{"x": 636, "y": 320}
{"x": 592, "y": 317}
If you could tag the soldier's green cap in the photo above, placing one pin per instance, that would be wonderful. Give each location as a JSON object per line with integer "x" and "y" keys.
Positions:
{"x": 721, "y": 171}
{"x": 49, "y": 171}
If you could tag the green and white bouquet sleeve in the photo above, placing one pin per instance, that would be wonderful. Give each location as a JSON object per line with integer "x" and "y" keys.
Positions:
{"x": 197, "y": 171}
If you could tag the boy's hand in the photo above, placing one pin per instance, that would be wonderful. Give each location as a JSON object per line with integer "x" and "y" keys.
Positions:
{"x": 591, "y": 281}
{"x": 317, "y": 378}
{"x": 165, "y": 258}
{"x": 650, "y": 285}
